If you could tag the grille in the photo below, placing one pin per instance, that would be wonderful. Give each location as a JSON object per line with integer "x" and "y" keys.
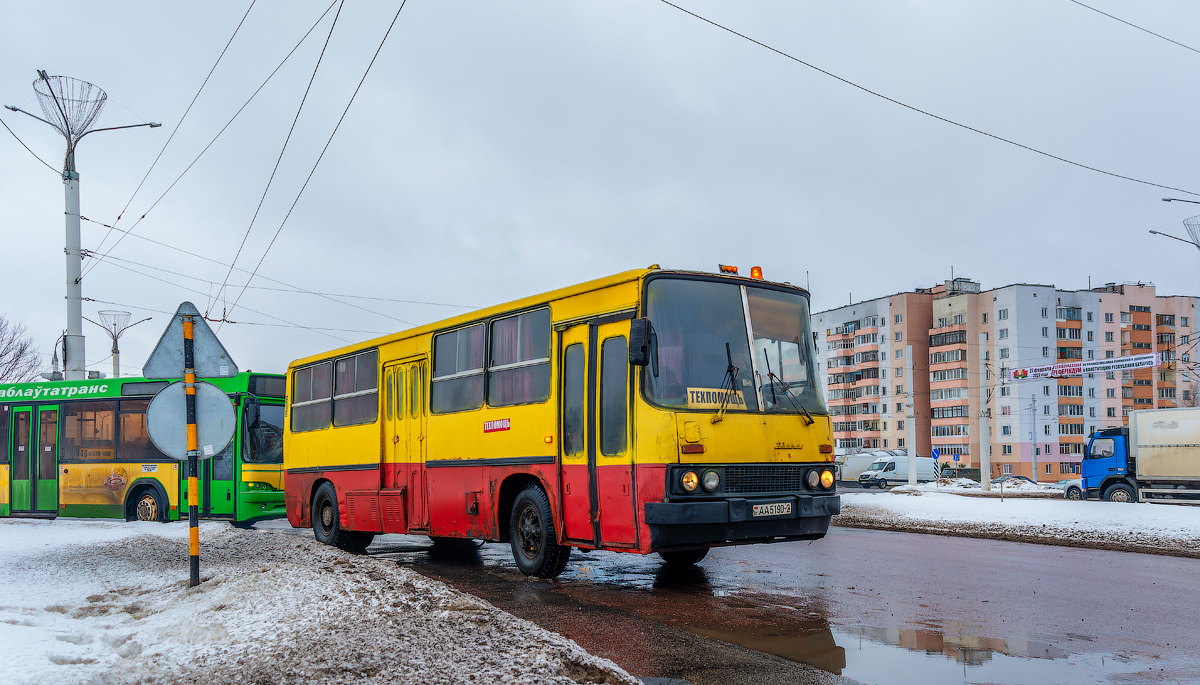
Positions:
{"x": 758, "y": 479}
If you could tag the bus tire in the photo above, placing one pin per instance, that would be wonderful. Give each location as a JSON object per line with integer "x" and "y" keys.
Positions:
{"x": 684, "y": 557}
{"x": 327, "y": 526}
{"x": 532, "y": 535}
{"x": 147, "y": 506}
{"x": 1120, "y": 493}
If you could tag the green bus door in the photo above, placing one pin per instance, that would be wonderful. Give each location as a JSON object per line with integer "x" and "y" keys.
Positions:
{"x": 34, "y": 450}
{"x": 217, "y": 474}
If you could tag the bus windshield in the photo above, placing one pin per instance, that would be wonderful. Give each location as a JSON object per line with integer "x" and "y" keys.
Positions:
{"x": 266, "y": 439}
{"x": 702, "y": 354}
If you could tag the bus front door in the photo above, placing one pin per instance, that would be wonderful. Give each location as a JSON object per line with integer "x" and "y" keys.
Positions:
{"x": 34, "y": 451}
{"x": 596, "y": 457}
{"x": 217, "y": 484}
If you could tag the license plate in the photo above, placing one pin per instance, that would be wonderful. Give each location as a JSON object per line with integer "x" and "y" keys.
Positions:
{"x": 773, "y": 509}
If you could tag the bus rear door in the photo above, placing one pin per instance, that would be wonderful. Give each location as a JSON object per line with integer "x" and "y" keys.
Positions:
{"x": 596, "y": 459}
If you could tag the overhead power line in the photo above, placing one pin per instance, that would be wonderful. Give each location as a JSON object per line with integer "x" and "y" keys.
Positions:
{"x": 323, "y": 151}
{"x": 921, "y": 111}
{"x": 35, "y": 155}
{"x": 1139, "y": 28}
{"x": 236, "y": 323}
{"x": 178, "y": 124}
{"x": 279, "y": 159}
{"x": 223, "y": 129}
{"x": 288, "y": 287}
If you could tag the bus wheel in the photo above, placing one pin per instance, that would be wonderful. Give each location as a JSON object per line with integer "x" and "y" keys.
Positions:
{"x": 327, "y": 526}
{"x": 148, "y": 507}
{"x": 1120, "y": 493}
{"x": 532, "y": 536}
{"x": 684, "y": 557}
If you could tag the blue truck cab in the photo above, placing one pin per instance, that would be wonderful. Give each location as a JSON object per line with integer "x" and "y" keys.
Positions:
{"x": 1108, "y": 471}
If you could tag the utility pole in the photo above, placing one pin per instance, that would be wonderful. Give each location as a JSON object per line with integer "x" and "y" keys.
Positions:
{"x": 1033, "y": 431}
{"x": 911, "y": 417}
{"x": 985, "y": 419}
{"x": 71, "y": 107}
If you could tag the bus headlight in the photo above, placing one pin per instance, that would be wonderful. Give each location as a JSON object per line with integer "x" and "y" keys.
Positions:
{"x": 711, "y": 480}
{"x": 689, "y": 480}
{"x": 827, "y": 479}
{"x": 814, "y": 479}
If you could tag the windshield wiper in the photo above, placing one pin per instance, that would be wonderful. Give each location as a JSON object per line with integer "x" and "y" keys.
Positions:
{"x": 731, "y": 373}
{"x": 787, "y": 392}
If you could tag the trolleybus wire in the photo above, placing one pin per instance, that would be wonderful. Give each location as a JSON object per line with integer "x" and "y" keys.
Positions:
{"x": 219, "y": 133}
{"x": 322, "y": 155}
{"x": 35, "y": 155}
{"x": 919, "y": 110}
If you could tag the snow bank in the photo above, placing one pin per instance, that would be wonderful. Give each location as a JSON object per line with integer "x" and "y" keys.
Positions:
{"x": 1154, "y": 528}
{"x": 108, "y": 602}
{"x": 1014, "y": 487}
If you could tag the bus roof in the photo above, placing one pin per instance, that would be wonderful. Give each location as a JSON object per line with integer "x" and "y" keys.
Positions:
{"x": 525, "y": 303}
{"x": 94, "y": 388}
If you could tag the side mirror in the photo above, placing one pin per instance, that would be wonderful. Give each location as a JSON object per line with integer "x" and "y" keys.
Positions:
{"x": 639, "y": 342}
{"x": 251, "y": 406}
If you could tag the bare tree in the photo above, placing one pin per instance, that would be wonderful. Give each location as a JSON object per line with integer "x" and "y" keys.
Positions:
{"x": 19, "y": 359}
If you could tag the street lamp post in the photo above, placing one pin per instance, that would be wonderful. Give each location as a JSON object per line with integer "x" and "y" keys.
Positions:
{"x": 71, "y": 107}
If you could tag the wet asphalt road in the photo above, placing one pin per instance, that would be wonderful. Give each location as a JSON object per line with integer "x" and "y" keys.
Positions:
{"x": 875, "y": 606}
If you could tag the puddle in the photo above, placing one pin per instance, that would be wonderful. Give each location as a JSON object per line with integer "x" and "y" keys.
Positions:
{"x": 797, "y": 621}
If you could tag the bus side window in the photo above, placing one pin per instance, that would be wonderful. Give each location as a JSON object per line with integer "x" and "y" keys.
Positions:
{"x": 388, "y": 381}
{"x": 573, "y": 396}
{"x": 614, "y": 364}
{"x": 414, "y": 397}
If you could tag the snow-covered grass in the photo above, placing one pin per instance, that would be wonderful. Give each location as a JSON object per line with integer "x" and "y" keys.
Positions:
{"x": 108, "y": 602}
{"x": 1135, "y": 527}
{"x": 1014, "y": 487}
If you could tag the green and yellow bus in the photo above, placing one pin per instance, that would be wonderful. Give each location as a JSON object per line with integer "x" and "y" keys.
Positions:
{"x": 80, "y": 448}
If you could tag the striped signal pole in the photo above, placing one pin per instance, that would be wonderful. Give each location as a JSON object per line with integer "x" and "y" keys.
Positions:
{"x": 193, "y": 451}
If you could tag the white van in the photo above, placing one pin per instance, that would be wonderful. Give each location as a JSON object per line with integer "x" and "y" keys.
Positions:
{"x": 851, "y": 465}
{"x": 894, "y": 471}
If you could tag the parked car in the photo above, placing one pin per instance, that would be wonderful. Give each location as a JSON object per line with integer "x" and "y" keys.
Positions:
{"x": 1072, "y": 488}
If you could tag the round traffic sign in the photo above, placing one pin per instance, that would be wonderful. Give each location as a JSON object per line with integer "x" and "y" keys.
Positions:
{"x": 166, "y": 420}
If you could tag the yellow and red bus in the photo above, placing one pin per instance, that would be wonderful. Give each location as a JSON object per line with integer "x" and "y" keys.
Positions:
{"x": 650, "y": 411}
{"x": 80, "y": 448}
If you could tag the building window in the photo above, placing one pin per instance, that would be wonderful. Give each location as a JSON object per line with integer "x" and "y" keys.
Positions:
{"x": 1183, "y": 321}
{"x": 1005, "y": 430}
{"x": 1112, "y": 412}
{"x": 1045, "y": 351}
{"x": 899, "y": 425}
{"x": 1005, "y": 410}
{"x": 985, "y": 318}
{"x": 900, "y": 407}
{"x": 1092, "y": 412}
{"x": 942, "y": 322}
{"x": 899, "y": 372}
{"x": 1091, "y": 336}
{"x": 899, "y": 354}
{"x": 1110, "y": 392}
{"x": 1108, "y": 337}
{"x": 899, "y": 336}
{"x": 1007, "y": 449}
{"x": 1108, "y": 317}
{"x": 899, "y": 389}
{"x": 958, "y": 319}
{"x": 1045, "y": 331}
{"x": 1003, "y": 334}
{"x": 1002, "y": 314}
{"x": 1004, "y": 353}
{"x": 1004, "y": 390}
{"x": 1047, "y": 469}
{"x": 1045, "y": 312}
{"x": 1108, "y": 354}
{"x": 1089, "y": 316}
{"x": 899, "y": 318}
{"x": 899, "y": 442}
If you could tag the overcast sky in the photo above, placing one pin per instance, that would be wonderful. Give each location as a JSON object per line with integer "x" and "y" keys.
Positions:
{"x": 499, "y": 149}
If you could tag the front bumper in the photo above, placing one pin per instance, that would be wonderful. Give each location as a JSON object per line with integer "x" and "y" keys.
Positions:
{"x": 731, "y": 521}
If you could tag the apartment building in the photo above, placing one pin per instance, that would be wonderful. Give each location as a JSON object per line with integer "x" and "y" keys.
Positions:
{"x": 866, "y": 386}
{"x": 973, "y": 338}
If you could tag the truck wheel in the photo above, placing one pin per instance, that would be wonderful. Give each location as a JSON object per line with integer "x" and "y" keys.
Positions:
{"x": 1074, "y": 493}
{"x": 684, "y": 557}
{"x": 1120, "y": 493}
{"x": 532, "y": 536}
{"x": 327, "y": 527}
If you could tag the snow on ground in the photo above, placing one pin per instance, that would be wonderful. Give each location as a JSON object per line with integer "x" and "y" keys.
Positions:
{"x": 1154, "y": 528}
{"x": 101, "y": 602}
{"x": 1014, "y": 487}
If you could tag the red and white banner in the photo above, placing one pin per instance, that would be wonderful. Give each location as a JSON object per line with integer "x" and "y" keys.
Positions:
{"x": 1136, "y": 361}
